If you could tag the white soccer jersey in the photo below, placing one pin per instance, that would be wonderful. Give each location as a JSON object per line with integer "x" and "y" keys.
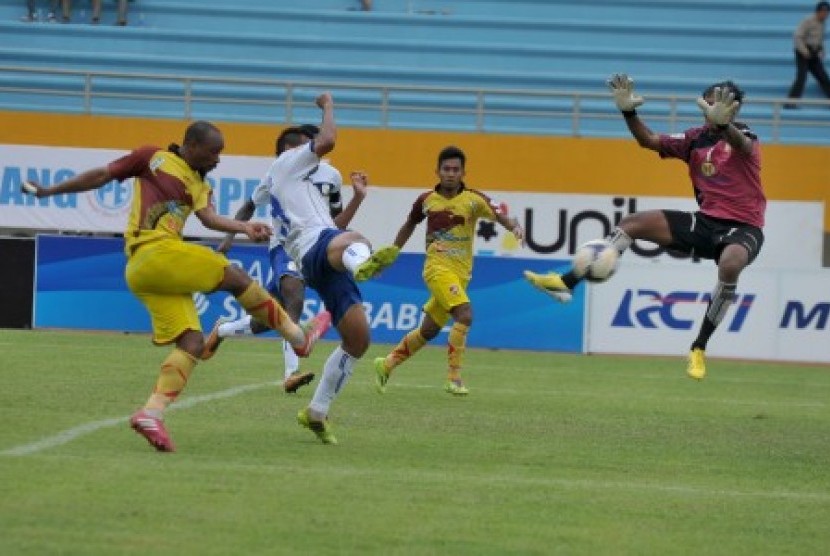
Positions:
{"x": 302, "y": 207}
{"x": 326, "y": 179}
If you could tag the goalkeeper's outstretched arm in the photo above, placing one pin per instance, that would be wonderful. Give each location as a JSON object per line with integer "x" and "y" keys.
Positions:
{"x": 720, "y": 106}
{"x": 622, "y": 89}
{"x": 641, "y": 132}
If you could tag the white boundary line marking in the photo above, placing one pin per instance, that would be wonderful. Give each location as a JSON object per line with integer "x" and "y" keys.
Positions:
{"x": 69, "y": 435}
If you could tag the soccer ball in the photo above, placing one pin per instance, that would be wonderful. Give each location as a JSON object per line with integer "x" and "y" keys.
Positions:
{"x": 596, "y": 261}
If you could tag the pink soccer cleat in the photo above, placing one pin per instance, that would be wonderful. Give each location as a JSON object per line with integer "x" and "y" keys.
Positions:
{"x": 314, "y": 329}
{"x": 153, "y": 430}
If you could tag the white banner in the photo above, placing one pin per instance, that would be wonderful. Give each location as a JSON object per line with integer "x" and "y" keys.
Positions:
{"x": 555, "y": 224}
{"x": 804, "y": 316}
{"x": 105, "y": 209}
{"x": 658, "y": 311}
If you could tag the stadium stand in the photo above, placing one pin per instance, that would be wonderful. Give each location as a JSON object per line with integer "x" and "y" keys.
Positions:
{"x": 491, "y": 65}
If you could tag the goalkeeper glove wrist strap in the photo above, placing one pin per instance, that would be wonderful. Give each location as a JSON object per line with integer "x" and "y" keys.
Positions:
{"x": 628, "y": 114}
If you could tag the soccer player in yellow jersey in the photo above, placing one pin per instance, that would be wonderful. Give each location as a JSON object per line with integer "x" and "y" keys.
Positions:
{"x": 164, "y": 271}
{"x": 451, "y": 211}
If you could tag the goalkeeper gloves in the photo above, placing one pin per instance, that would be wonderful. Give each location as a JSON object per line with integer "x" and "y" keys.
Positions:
{"x": 723, "y": 107}
{"x": 622, "y": 89}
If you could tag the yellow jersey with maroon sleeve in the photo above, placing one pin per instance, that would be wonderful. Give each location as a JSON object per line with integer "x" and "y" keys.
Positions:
{"x": 166, "y": 190}
{"x": 451, "y": 226}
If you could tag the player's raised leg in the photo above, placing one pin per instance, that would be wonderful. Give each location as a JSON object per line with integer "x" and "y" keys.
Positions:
{"x": 552, "y": 284}
{"x": 350, "y": 251}
{"x": 561, "y": 286}
{"x": 267, "y": 310}
{"x": 376, "y": 263}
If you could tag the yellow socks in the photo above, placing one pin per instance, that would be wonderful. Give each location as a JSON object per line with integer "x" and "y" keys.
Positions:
{"x": 175, "y": 370}
{"x": 267, "y": 310}
{"x": 455, "y": 350}
{"x": 406, "y": 348}
{"x": 414, "y": 341}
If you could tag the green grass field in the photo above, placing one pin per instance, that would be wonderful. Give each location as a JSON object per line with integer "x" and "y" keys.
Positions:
{"x": 550, "y": 454}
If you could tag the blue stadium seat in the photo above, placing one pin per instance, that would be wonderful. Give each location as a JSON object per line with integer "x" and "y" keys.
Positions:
{"x": 524, "y": 45}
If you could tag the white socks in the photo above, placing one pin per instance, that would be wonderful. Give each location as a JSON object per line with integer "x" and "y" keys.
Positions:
{"x": 336, "y": 373}
{"x": 240, "y": 326}
{"x": 292, "y": 362}
{"x": 355, "y": 255}
{"x": 721, "y": 300}
{"x": 620, "y": 240}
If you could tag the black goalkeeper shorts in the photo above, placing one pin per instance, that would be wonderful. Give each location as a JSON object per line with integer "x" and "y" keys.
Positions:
{"x": 705, "y": 237}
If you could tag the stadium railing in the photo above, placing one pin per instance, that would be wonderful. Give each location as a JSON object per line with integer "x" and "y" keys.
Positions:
{"x": 488, "y": 110}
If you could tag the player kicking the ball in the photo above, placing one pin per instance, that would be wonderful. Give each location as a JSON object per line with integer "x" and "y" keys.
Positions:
{"x": 724, "y": 166}
{"x": 331, "y": 260}
{"x": 164, "y": 271}
{"x": 287, "y": 283}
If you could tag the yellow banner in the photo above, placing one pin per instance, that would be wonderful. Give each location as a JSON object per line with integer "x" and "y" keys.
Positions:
{"x": 406, "y": 158}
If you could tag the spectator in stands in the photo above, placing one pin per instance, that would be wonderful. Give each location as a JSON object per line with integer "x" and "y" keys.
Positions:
{"x": 96, "y": 11}
{"x": 366, "y": 5}
{"x": 33, "y": 13}
{"x": 66, "y": 15}
{"x": 809, "y": 52}
{"x": 122, "y": 13}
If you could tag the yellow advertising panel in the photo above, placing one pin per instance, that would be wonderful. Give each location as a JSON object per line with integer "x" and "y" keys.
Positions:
{"x": 407, "y": 158}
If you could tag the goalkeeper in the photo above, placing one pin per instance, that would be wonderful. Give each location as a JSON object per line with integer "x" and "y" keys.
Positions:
{"x": 724, "y": 166}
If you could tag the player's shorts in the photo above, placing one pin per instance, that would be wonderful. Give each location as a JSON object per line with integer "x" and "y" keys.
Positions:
{"x": 338, "y": 290}
{"x": 281, "y": 265}
{"x": 447, "y": 291}
{"x": 164, "y": 275}
{"x": 705, "y": 236}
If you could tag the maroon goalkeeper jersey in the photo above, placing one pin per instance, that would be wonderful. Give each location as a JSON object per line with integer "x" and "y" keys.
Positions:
{"x": 727, "y": 182}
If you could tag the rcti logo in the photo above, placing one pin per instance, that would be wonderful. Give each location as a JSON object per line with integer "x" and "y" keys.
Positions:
{"x": 652, "y": 309}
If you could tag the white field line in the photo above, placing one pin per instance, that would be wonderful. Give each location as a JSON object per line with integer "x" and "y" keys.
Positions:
{"x": 69, "y": 435}
{"x": 440, "y": 477}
